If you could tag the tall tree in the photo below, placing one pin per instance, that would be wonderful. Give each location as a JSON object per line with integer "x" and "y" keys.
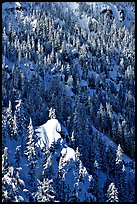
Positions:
{"x": 9, "y": 117}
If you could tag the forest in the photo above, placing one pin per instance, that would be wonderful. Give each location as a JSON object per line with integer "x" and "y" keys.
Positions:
{"x": 71, "y": 66}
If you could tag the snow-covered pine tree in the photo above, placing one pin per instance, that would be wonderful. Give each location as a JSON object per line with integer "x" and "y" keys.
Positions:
{"x": 5, "y": 162}
{"x": 120, "y": 176}
{"x": 4, "y": 131}
{"x": 52, "y": 114}
{"x": 72, "y": 141}
{"x": 119, "y": 155}
{"x": 31, "y": 154}
{"x": 45, "y": 191}
{"x": 112, "y": 193}
{"x": 15, "y": 127}
{"x": 9, "y": 118}
{"x": 21, "y": 122}
{"x": 29, "y": 140}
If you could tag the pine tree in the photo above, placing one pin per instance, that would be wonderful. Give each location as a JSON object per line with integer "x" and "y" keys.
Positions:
{"x": 17, "y": 156}
{"x": 72, "y": 139}
{"x": 15, "y": 127}
{"x": 97, "y": 188}
{"x": 21, "y": 124}
{"x": 77, "y": 156}
{"x": 118, "y": 154}
{"x": 110, "y": 155}
{"x": 5, "y": 162}
{"x": 9, "y": 120}
{"x": 52, "y": 114}
{"x": 31, "y": 154}
{"x": 48, "y": 166}
{"x": 112, "y": 193}
{"x": 4, "y": 130}
{"x": 120, "y": 176}
{"x": 45, "y": 192}
{"x": 31, "y": 172}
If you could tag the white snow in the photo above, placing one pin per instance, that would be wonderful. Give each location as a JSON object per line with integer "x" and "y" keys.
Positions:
{"x": 51, "y": 127}
{"x": 70, "y": 154}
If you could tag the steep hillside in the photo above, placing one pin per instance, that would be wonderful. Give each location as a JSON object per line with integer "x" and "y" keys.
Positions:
{"x": 68, "y": 101}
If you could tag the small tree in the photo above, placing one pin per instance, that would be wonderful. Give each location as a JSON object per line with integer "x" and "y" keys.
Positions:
{"x": 45, "y": 192}
{"x": 5, "y": 163}
{"x": 119, "y": 154}
{"x": 52, "y": 114}
{"x": 112, "y": 193}
{"x": 30, "y": 141}
{"x": 15, "y": 127}
{"x": 17, "y": 156}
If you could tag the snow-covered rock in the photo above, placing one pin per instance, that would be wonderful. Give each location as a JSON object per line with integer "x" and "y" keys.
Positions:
{"x": 49, "y": 133}
{"x": 52, "y": 128}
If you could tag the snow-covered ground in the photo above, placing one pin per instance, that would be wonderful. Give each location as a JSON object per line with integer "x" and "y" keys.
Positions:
{"x": 49, "y": 132}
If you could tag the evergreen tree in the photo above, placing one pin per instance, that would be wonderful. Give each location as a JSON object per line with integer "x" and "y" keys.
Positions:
{"x": 17, "y": 156}
{"x": 31, "y": 154}
{"x": 4, "y": 131}
{"x": 110, "y": 154}
{"x": 21, "y": 124}
{"x": 120, "y": 176}
{"x": 112, "y": 193}
{"x": 5, "y": 162}
{"x": 9, "y": 118}
{"x": 97, "y": 187}
{"x": 30, "y": 141}
{"x": 73, "y": 140}
{"x": 119, "y": 155}
{"x": 45, "y": 192}
{"x": 52, "y": 114}
{"x": 15, "y": 127}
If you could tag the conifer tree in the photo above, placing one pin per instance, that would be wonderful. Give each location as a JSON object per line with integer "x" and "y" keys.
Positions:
{"x": 31, "y": 154}
{"x": 4, "y": 130}
{"x": 5, "y": 162}
{"x": 15, "y": 127}
{"x": 45, "y": 192}
{"x": 112, "y": 193}
{"x": 20, "y": 122}
{"x": 17, "y": 156}
{"x": 9, "y": 120}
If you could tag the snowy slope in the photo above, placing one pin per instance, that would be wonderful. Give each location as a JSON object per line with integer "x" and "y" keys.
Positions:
{"x": 67, "y": 160}
{"x": 52, "y": 127}
{"x": 127, "y": 160}
{"x": 49, "y": 132}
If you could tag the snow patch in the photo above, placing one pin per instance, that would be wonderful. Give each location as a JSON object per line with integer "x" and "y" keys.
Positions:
{"x": 52, "y": 128}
